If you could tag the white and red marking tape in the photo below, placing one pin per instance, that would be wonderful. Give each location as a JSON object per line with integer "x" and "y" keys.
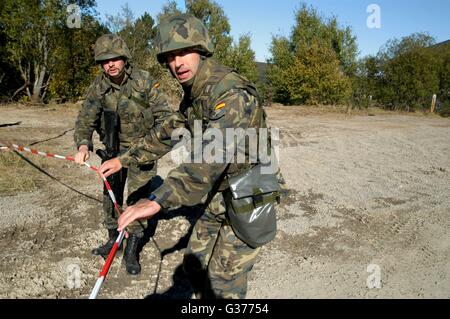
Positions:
{"x": 72, "y": 159}
{"x": 119, "y": 239}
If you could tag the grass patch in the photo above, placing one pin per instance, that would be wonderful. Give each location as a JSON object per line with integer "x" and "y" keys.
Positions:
{"x": 16, "y": 175}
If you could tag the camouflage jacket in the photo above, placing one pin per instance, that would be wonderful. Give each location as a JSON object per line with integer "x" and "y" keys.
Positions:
{"x": 221, "y": 99}
{"x": 140, "y": 105}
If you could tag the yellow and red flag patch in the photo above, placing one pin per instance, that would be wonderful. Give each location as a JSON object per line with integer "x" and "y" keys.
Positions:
{"x": 219, "y": 106}
{"x": 156, "y": 85}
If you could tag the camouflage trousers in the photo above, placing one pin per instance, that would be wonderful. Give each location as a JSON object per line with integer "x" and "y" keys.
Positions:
{"x": 216, "y": 261}
{"x": 139, "y": 180}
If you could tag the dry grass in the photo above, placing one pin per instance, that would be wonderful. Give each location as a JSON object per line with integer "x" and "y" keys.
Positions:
{"x": 16, "y": 175}
{"x": 316, "y": 110}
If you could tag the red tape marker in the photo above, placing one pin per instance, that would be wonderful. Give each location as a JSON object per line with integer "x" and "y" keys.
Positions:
{"x": 119, "y": 239}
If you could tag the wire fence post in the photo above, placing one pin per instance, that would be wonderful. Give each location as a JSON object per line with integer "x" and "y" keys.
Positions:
{"x": 433, "y": 103}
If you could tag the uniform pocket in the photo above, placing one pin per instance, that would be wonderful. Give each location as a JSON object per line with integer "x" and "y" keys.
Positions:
{"x": 131, "y": 119}
{"x": 148, "y": 119}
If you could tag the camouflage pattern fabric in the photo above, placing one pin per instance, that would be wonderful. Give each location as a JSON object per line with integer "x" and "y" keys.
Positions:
{"x": 110, "y": 46}
{"x": 216, "y": 261}
{"x": 182, "y": 31}
{"x": 189, "y": 183}
{"x": 142, "y": 108}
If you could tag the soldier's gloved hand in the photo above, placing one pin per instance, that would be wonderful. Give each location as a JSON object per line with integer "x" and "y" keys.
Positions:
{"x": 82, "y": 155}
{"x": 110, "y": 167}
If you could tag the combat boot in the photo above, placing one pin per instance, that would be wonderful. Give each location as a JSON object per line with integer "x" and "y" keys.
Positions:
{"x": 131, "y": 256}
{"x": 106, "y": 248}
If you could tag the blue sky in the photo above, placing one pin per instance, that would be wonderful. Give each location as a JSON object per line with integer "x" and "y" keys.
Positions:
{"x": 263, "y": 19}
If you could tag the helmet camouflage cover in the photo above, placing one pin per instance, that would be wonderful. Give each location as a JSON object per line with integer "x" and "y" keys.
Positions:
{"x": 110, "y": 46}
{"x": 182, "y": 31}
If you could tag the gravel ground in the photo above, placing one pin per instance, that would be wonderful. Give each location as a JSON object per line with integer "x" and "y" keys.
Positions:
{"x": 367, "y": 215}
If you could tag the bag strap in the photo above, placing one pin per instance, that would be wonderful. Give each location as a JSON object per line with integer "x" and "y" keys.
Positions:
{"x": 258, "y": 201}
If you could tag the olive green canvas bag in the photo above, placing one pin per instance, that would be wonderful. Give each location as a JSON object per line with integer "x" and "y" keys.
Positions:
{"x": 250, "y": 202}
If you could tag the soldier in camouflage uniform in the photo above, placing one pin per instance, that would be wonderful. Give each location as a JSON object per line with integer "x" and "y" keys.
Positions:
{"x": 134, "y": 98}
{"x": 216, "y": 261}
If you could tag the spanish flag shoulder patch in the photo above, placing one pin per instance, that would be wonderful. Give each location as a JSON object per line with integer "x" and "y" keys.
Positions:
{"x": 156, "y": 85}
{"x": 219, "y": 106}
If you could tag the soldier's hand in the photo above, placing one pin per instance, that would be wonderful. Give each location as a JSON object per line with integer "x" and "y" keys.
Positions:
{"x": 143, "y": 209}
{"x": 110, "y": 167}
{"x": 82, "y": 155}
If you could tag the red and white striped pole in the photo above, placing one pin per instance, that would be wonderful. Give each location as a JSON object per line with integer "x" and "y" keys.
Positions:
{"x": 107, "y": 265}
{"x": 119, "y": 239}
{"x": 108, "y": 262}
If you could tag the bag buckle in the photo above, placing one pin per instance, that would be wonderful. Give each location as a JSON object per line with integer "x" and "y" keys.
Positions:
{"x": 278, "y": 198}
{"x": 257, "y": 197}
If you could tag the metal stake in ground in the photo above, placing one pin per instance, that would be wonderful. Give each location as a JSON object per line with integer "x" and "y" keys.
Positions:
{"x": 112, "y": 253}
{"x": 105, "y": 269}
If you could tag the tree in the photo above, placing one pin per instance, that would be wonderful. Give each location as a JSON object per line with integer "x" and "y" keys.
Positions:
{"x": 409, "y": 72}
{"x": 280, "y": 63}
{"x": 9, "y": 75}
{"x": 396, "y": 47}
{"x": 75, "y": 67}
{"x": 313, "y": 65}
{"x": 33, "y": 31}
{"x": 313, "y": 77}
{"x": 137, "y": 33}
{"x": 242, "y": 58}
{"x": 311, "y": 27}
{"x": 365, "y": 83}
{"x": 443, "y": 52}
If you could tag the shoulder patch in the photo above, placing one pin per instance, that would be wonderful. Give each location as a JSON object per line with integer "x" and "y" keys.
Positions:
{"x": 219, "y": 106}
{"x": 156, "y": 85}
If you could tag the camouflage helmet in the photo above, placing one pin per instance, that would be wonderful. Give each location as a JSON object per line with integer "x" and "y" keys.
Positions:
{"x": 110, "y": 46}
{"x": 182, "y": 31}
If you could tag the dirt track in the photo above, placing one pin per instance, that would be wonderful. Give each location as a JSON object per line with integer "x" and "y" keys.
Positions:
{"x": 366, "y": 191}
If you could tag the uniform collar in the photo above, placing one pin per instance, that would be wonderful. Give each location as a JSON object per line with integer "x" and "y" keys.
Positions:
{"x": 201, "y": 78}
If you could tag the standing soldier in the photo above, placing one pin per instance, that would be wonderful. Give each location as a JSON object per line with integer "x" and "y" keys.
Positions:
{"x": 216, "y": 260}
{"x": 122, "y": 104}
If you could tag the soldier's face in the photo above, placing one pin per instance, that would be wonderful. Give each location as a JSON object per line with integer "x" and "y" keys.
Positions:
{"x": 183, "y": 64}
{"x": 113, "y": 67}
